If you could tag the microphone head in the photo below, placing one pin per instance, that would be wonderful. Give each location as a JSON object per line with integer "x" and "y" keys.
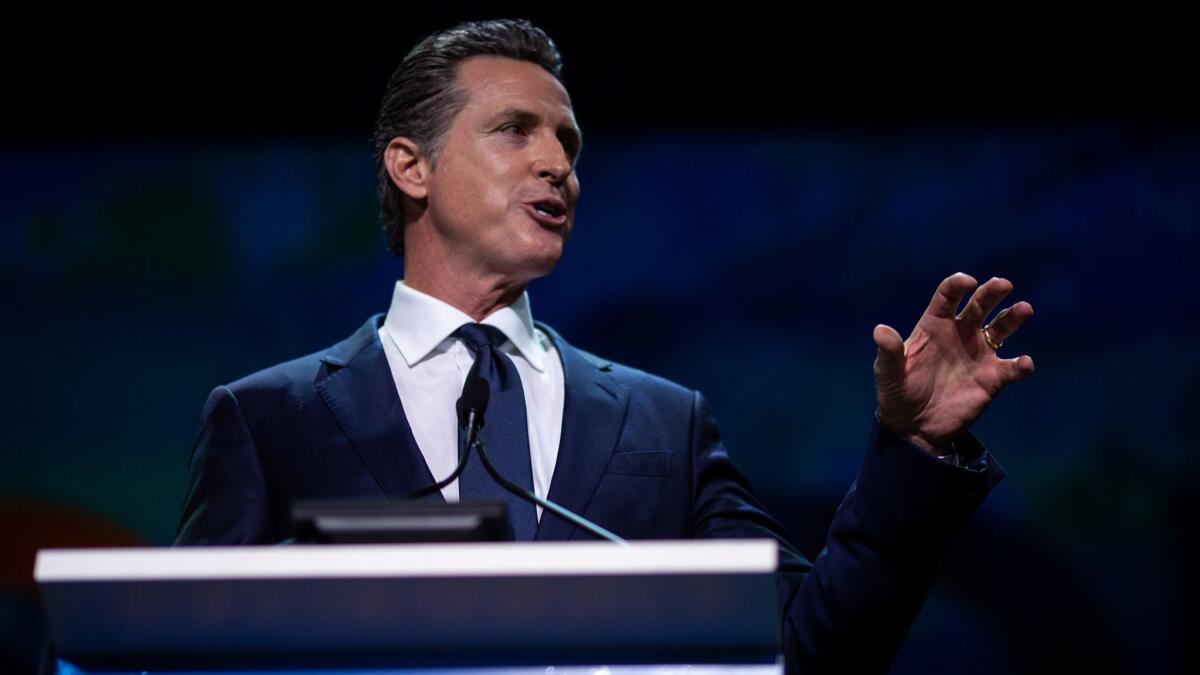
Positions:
{"x": 474, "y": 397}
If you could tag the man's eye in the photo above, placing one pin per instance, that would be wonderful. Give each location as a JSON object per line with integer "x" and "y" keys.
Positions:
{"x": 513, "y": 126}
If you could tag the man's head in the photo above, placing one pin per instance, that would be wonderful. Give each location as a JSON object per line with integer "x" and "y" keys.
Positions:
{"x": 474, "y": 129}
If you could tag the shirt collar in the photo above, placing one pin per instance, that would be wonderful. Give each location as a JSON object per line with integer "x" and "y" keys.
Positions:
{"x": 418, "y": 323}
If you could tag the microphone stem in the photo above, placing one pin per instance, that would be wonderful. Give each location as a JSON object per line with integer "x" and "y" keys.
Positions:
{"x": 546, "y": 503}
{"x": 472, "y": 434}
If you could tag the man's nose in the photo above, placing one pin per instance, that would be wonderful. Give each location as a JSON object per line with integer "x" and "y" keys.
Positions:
{"x": 552, "y": 162}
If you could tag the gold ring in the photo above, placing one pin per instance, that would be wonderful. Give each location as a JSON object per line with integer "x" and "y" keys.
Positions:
{"x": 987, "y": 337}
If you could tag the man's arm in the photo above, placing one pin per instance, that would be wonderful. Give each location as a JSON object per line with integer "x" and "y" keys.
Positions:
{"x": 852, "y": 613}
{"x": 850, "y": 610}
{"x": 226, "y": 500}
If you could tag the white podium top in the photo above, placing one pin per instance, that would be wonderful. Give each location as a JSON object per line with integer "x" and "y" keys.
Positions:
{"x": 407, "y": 560}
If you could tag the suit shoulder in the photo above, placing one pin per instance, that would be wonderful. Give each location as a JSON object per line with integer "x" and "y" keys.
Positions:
{"x": 299, "y": 375}
{"x": 281, "y": 376}
{"x": 276, "y": 393}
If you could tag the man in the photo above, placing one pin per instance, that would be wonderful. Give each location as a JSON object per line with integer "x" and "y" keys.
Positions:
{"x": 476, "y": 146}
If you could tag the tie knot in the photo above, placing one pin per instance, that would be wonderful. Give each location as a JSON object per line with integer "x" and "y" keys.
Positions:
{"x": 476, "y": 335}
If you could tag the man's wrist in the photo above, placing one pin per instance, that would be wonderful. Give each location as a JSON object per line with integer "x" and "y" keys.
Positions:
{"x": 946, "y": 451}
{"x": 958, "y": 454}
{"x": 938, "y": 450}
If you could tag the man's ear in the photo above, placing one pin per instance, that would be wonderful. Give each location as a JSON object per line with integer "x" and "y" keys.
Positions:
{"x": 407, "y": 166}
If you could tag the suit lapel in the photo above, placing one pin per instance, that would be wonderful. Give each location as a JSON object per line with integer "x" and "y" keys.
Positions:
{"x": 357, "y": 386}
{"x": 594, "y": 410}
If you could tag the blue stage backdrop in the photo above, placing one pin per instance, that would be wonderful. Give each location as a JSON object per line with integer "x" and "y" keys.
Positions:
{"x": 751, "y": 266}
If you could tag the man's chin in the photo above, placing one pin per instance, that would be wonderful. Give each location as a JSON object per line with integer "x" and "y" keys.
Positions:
{"x": 538, "y": 266}
{"x": 546, "y": 266}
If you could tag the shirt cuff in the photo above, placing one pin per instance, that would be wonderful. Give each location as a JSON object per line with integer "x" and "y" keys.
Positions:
{"x": 958, "y": 458}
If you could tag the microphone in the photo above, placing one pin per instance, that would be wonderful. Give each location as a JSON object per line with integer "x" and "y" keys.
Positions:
{"x": 471, "y": 406}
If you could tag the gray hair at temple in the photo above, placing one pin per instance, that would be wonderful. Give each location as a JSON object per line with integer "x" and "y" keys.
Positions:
{"x": 422, "y": 98}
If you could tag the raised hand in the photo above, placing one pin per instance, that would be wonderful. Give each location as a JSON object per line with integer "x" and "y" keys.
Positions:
{"x": 935, "y": 384}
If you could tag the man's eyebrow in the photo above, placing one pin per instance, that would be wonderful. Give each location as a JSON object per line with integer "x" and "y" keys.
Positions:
{"x": 572, "y": 132}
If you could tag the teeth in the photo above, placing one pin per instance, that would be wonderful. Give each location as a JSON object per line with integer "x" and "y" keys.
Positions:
{"x": 543, "y": 209}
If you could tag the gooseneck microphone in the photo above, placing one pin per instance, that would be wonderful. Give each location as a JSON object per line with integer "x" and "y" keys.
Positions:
{"x": 471, "y": 408}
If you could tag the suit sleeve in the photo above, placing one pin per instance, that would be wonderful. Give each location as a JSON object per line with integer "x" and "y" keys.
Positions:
{"x": 226, "y": 500}
{"x": 850, "y": 609}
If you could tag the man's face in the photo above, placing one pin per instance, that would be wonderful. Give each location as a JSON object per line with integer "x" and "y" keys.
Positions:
{"x": 503, "y": 191}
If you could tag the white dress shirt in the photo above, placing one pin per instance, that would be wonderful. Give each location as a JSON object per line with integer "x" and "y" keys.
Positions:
{"x": 430, "y": 367}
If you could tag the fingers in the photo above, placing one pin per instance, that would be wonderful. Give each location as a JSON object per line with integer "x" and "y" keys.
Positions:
{"x": 949, "y": 295}
{"x": 1008, "y": 321}
{"x": 1012, "y": 370}
{"x": 889, "y": 360}
{"x": 983, "y": 301}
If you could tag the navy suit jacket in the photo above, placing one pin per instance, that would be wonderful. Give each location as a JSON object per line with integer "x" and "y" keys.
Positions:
{"x": 639, "y": 455}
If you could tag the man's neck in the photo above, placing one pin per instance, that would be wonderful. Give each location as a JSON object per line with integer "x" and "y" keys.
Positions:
{"x": 476, "y": 298}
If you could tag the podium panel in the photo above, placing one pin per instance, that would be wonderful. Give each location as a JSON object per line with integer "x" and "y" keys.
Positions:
{"x": 488, "y": 608}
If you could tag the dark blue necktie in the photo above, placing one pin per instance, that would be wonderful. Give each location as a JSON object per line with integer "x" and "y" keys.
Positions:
{"x": 505, "y": 432}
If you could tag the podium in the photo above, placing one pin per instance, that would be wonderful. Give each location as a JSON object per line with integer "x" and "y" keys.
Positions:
{"x": 691, "y": 606}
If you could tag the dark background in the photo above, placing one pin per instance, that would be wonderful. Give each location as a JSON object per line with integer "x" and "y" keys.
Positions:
{"x": 185, "y": 199}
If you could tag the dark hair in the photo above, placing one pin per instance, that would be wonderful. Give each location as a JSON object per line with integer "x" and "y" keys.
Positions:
{"x": 422, "y": 98}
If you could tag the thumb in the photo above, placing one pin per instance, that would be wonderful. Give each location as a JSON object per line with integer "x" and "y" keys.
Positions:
{"x": 889, "y": 360}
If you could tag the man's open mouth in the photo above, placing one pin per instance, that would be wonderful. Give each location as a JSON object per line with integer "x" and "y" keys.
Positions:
{"x": 548, "y": 212}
